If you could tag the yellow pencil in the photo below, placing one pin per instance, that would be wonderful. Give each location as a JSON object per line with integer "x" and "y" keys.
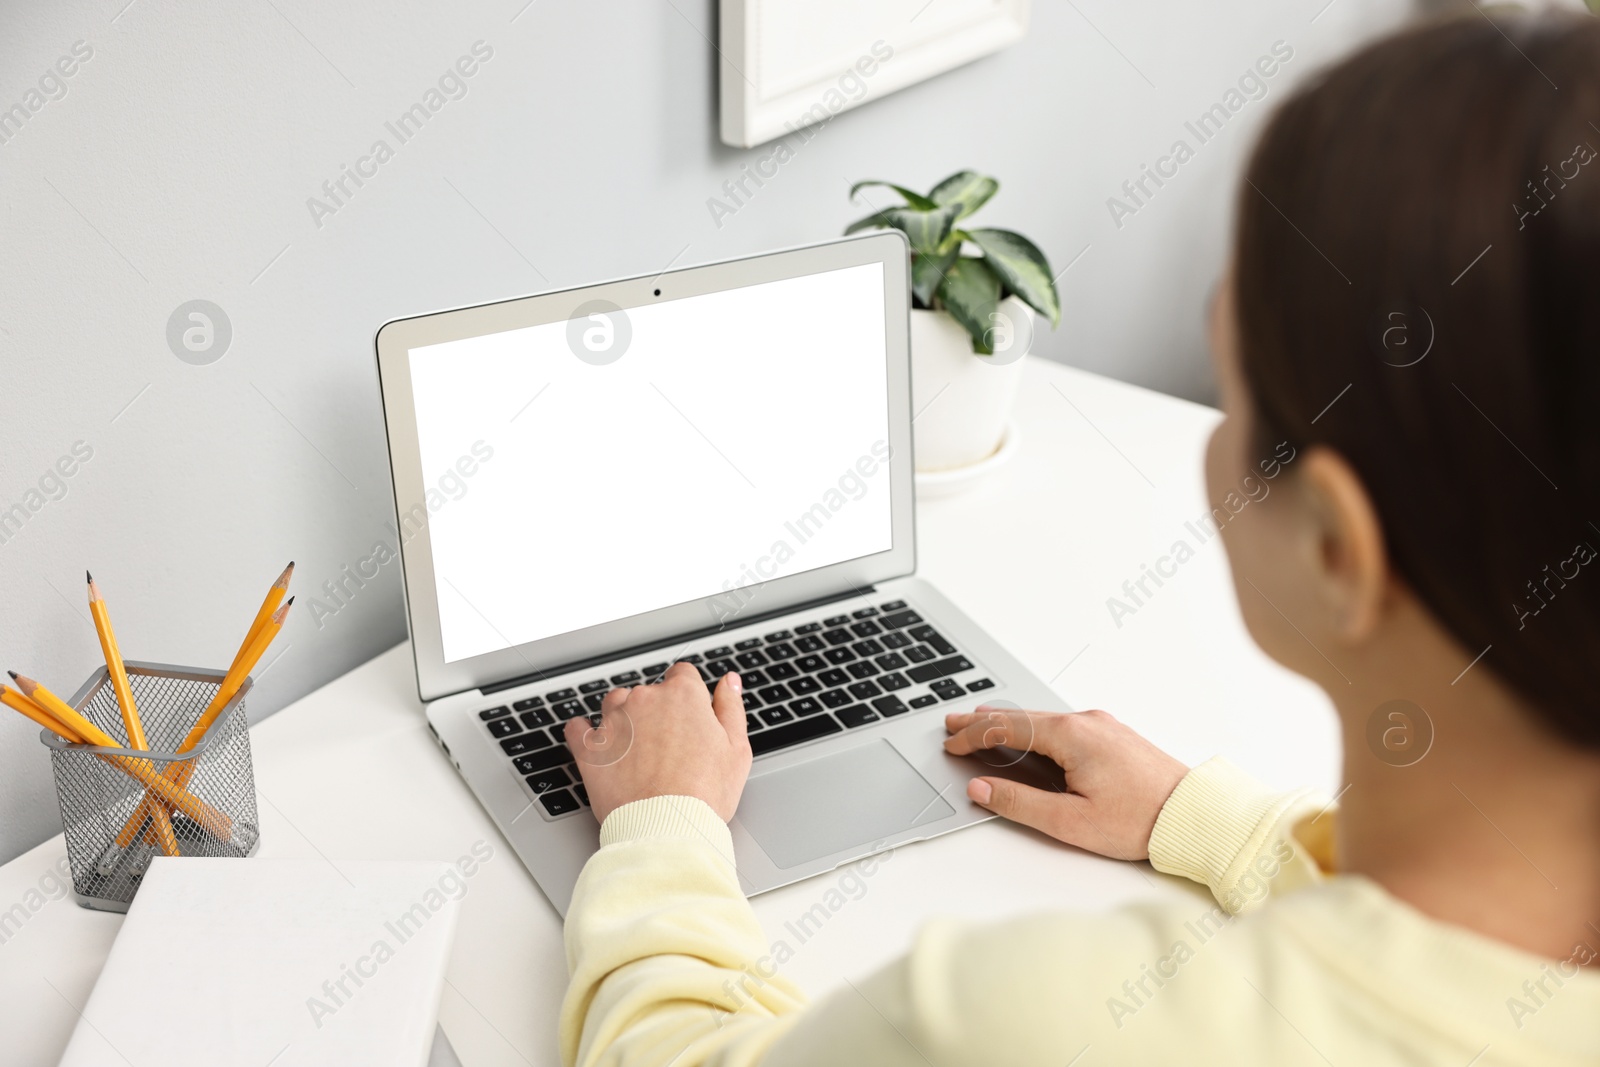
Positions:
{"x": 268, "y": 607}
{"x": 130, "y": 713}
{"x": 14, "y": 699}
{"x": 242, "y": 665}
{"x": 141, "y": 770}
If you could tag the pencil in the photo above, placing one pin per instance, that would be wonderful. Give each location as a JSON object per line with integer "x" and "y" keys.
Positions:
{"x": 130, "y": 713}
{"x": 264, "y": 613}
{"x": 242, "y": 665}
{"x": 141, "y": 770}
{"x": 13, "y": 698}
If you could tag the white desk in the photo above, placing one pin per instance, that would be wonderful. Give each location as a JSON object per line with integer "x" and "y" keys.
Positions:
{"x": 1105, "y": 481}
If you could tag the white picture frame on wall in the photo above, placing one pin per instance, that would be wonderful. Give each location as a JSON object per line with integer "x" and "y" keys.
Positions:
{"x": 787, "y": 64}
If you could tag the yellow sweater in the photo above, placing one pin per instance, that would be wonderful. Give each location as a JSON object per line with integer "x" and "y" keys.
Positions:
{"x": 1319, "y": 970}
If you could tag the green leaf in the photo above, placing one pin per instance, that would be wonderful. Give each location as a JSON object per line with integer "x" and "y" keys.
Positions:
{"x": 914, "y": 199}
{"x": 968, "y": 188}
{"x": 1022, "y": 267}
{"x": 878, "y": 220}
{"x": 927, "y": 273}
{"x": 971, "y": 293}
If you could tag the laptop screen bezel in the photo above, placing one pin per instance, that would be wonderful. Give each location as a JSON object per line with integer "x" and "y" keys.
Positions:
{"x": 395, "y": 340}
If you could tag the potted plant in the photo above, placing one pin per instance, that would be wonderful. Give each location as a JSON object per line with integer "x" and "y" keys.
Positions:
{"x": 974, "y": 294}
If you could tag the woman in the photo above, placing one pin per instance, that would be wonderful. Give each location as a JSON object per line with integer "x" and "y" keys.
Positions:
{"x": 1435, "y": 545}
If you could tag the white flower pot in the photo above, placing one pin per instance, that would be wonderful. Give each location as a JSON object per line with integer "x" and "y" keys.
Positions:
{"x": 960, "y": 400}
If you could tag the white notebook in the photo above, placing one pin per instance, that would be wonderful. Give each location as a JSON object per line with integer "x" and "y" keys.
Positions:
{"x": 290, "y": 963}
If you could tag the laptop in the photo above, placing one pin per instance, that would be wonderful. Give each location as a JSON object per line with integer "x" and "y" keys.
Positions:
{"x": 712, "y": 465}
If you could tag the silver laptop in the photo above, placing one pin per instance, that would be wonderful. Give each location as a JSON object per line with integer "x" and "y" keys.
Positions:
{"x": 711, "y": 465}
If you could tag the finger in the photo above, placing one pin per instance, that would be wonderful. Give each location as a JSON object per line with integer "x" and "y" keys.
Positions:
{"x": 614, "y": 699}
{"x": 987, "y": 729}
{"x": 681, "y": 672}
{"x": 1052, "y": 813}
{"x": 728, "y": 702}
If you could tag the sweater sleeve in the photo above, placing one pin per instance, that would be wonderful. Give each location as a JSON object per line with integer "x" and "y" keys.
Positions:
{"x": 1245, "y": 842}
{"x": 670, "y": 966}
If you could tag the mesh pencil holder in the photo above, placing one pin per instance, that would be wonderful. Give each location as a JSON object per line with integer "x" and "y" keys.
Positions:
{"x": 109, "y": 796}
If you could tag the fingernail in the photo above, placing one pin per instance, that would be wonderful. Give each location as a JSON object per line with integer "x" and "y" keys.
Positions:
{"x": 980, "y": 790}
{"x": 734, "y": 682}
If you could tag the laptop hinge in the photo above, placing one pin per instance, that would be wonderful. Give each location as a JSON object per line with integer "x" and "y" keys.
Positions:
{"x": 692, "y": 635}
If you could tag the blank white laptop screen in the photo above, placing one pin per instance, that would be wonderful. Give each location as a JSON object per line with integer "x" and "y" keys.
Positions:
{"x": 740, "y": 436}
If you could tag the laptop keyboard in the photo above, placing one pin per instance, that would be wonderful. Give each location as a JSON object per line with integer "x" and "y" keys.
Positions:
{"x": 823, "y": 677}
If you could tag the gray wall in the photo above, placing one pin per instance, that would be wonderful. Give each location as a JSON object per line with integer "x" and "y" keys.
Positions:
{"x": 178, "y": 164}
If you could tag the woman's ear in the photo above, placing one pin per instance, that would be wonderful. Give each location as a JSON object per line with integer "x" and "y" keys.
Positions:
{"x": 1350, "y": 564}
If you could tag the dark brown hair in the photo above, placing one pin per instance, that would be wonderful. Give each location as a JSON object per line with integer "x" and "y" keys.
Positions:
{"x": 1418, "y": 288}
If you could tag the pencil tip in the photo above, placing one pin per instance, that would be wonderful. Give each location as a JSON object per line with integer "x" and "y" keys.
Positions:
{"x": 13, "y": 675}
{"x": 88, "y": 577}
{"x": 291, "y": 601}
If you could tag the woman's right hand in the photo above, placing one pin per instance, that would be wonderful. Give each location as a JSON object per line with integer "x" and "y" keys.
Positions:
{"x": 1117, "y": 782}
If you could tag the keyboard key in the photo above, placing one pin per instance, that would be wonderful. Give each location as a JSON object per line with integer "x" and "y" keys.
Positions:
{"x": 655, "y": 670}
{"x": 747, "y": 644}
{"x": 891, "y": 661}
{"x": 543, "y": 760}
{"x": 862, "y": 669}
{"x": 811, "y": 644}
{"x": 561, "y": 694}
{"x": 920, "y": 654}
{"x": 837, "y": 656}
{"x": 854, "y": 716}
{"x": 805, "y": 706}
{"x": 835, "y": 698}
{"x": 752, "y": 724}
{"x": 516, "y": 746}
{"x": 583, "y": 794}
{"x": 894, "y": 680}
{"x": 933, "y": 639}
{"x": 536, "y": 718}
{"x": 544, "y": 781}
{"x": 893, "y": 640}
{"x": 568, "y": 709}
{"x": 939, "y": 685}
{"x": 720, "y": 652}
{"x": 504, "y": 727}
{"x": 693, "y": 657}
{"x": 625, "y": 678}
{"x": 774, "y": 694}
{"x": 719, "y": 667}
{"x": 950, "y": 694}
{"x": 810, "y": 664}
{"x": 864, "y": 690}
{"x": 780, "y": 672}
{"x": 838, "y": 637}
{"x": 890, "y": 705}
{"x": 808, "y": 628}
{"x": 981, "y": 683}
{"x": 781, "y": 650}
{"x": 893, "y": 605}
{"x": 494, "y": 713}
{"x": 751, "y": 659}
{"x": 774, "y": 716}
{"x": 924, "y": 700}
{"x": 599, "y": 685}
{"x": 793, "y": 733}
{"x": 864, "y": 613}
{"x": 804, "y": 684}
{"x": 594, "y": 700}
{"x": 865, "y": 648}
{"x": 753, "y": 679}
{"x": 778, "y": 635}
{"x": 899, "y": 619}
{"x": 559, "y": 802}
{"x": 751, "y": 701}
{"x": 836, "y": 620}
{"x": 528, "y": 704}
{"x": 866, "y": 629}
{"x": 833, "y": 677}
{"x": 927, "y": 672}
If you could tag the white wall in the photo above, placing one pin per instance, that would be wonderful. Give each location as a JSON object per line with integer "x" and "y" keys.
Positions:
{"x": 179, "y": 162}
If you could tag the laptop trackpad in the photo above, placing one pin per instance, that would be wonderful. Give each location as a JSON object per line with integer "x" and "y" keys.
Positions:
{"x": 836, "y": 802}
